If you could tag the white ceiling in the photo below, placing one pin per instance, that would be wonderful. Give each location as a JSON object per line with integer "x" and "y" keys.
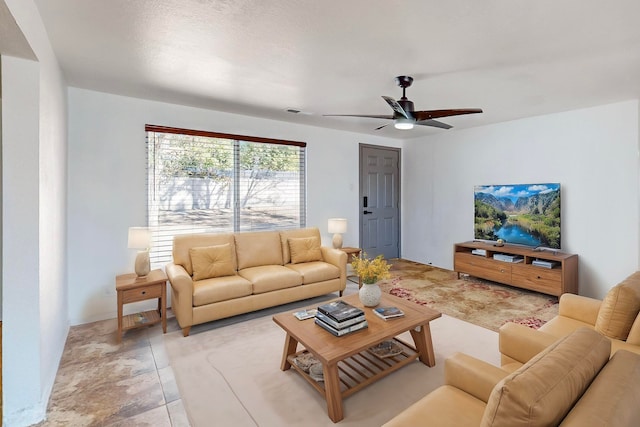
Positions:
{"x": 512, "y": 58}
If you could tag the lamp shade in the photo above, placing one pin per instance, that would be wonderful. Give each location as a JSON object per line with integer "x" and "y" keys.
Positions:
{"x": 139, "y": 238}
{"x": 337, "y": 225}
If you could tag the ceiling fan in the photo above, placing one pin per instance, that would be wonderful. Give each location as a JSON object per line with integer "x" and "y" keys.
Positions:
{"x": 404, "y": 117}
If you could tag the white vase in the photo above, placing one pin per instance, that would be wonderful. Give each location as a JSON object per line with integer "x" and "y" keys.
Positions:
{"x": 370, "y": 294}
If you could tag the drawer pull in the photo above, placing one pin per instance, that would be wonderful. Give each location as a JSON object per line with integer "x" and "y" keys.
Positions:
{"x": 144, "y": 292}
{"x": 539, "y": 277}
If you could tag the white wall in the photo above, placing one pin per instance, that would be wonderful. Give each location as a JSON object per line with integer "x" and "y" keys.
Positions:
{"x": 592, "y": 153}
{"x": 107, "y": 183}
{"x": 21, "y": 302}
{"x": 35, "y": 322}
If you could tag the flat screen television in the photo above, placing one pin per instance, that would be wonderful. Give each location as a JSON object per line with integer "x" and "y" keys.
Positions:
{"x": 523, "y": 214}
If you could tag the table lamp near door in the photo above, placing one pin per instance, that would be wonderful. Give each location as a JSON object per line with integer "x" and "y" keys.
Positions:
{"x": 140, "y": 238}
{"x": 337, "y": 226}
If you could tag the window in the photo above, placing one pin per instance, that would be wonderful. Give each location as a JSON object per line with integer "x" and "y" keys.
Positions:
{"x": 210, "y": 182}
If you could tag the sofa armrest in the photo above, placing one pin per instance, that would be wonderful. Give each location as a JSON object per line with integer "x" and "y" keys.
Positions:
{"x": 473, "y": 376}
{"x": 339, "y": 259}
{"x": 580, "y": 308}
{"x": 521, "y": 343}
{"x": 181, "y": 294}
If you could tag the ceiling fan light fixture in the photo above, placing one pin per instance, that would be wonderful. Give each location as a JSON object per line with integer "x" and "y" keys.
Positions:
{"x": 403, "y": 123}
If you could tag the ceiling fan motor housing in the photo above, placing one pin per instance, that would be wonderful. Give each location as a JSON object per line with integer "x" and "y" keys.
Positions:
{"x": 406, "y": 105}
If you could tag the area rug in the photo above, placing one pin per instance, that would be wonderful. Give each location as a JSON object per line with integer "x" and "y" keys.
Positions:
{"x": 230, "y": 376}
{"x": 478, "y": 301}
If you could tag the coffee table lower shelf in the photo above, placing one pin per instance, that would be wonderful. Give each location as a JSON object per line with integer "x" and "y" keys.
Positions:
{"x": 361, "y": 369}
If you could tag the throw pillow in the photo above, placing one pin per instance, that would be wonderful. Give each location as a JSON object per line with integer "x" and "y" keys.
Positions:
{"x": 305, "y": 249}
{"x": 211, "y": 261}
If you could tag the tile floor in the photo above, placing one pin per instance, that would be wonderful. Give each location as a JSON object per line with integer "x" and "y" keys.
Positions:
{"x": 103, "y": 383}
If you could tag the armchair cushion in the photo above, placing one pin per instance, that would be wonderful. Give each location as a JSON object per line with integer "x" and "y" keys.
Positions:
{"x": 542, "y": 392}
{"x": 620, "y": 308}
{"x": 611, "y": 399}
{"x": 446, "y": 406}
{"x": 305, "y": 249}
{"x": 212, "y": 261}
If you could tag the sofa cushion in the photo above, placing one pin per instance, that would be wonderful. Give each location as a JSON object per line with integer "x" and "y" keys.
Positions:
{"x": 212, "y": 261}
{"x": 220, "y": 289}
{"x": 545, "y": 389}
{"x": 620, "y": 308}
{"x": 612, "y": 398}
{"x": 304, "y": 249}
{"x": 317, "y": 271}
{"x": 258, "y": 248}
{"x": 285, "y": 235}
{"x": 184, "y": 242}
{"x": 269, "y": 278}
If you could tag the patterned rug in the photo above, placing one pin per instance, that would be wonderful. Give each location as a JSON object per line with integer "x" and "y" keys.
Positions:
{"x": 473, "y": 300}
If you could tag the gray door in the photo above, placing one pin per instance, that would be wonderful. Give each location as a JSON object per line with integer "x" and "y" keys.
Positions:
{"x": 379, "y": 201}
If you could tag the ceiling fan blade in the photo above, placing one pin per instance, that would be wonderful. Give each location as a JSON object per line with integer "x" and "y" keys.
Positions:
{"x": 369, "y": 116}
{"x": 434, "y": 123}
{"x": 380, "y": 127}
{"x": 396, "y": 107}
{"x": 434, "y": 114}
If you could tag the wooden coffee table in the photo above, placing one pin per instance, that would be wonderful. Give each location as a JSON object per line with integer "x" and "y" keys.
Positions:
{"x": 347, "y": 364}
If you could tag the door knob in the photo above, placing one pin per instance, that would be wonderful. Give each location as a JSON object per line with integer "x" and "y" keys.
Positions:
{"x": 367, "y": 212}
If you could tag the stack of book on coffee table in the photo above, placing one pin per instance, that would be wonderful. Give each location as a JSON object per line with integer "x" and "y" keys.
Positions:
{"x": 340, "y": 318}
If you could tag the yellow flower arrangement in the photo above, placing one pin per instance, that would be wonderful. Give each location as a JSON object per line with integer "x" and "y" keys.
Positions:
{"x": 371, "y": 270}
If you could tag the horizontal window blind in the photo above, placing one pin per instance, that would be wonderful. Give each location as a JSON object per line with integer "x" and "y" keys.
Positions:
{"x": 201, "y": 181}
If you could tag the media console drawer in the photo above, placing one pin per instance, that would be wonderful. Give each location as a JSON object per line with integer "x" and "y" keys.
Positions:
{"x": 553, "y": 281}
{"x": 479, "y": 266}
{"x": 538, "y": 279}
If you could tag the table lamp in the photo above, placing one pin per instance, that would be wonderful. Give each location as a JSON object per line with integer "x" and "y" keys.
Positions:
{"x": 140, "y": 238}
{"x": 337, "y": 226}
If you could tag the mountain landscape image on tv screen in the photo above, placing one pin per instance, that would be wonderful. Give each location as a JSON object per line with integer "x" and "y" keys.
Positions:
{"x": 525, "y": 214}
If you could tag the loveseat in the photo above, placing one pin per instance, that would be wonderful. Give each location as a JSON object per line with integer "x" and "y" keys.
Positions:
{"x": 617, "y": 317}
{"x": 214, "y": 276}
{"x": 570, "y": 383}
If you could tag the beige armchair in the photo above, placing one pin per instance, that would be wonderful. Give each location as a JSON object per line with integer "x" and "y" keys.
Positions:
{"x": 617, "y": 316}
{"x": 570, "y": 383}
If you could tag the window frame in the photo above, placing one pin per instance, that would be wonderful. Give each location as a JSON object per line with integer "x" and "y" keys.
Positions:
{"x": 160, "y": 234}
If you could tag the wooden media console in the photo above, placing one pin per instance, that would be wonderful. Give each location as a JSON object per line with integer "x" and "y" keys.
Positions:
{"x": 561, "y": 278}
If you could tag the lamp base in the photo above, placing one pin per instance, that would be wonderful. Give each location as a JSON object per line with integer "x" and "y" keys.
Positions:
{"x": 337, "y": 241}
{"x": 143, "y": 266}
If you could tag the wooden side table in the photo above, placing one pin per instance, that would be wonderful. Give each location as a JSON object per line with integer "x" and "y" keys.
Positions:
{"x": 131, "y": 288}
{"x": 351, "y": 254}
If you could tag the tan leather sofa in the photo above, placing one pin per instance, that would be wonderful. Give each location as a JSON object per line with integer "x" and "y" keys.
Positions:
{"x": 617, "y": 317}
{"x": 570, "y": 383}
{"x": 214, "y": 276}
